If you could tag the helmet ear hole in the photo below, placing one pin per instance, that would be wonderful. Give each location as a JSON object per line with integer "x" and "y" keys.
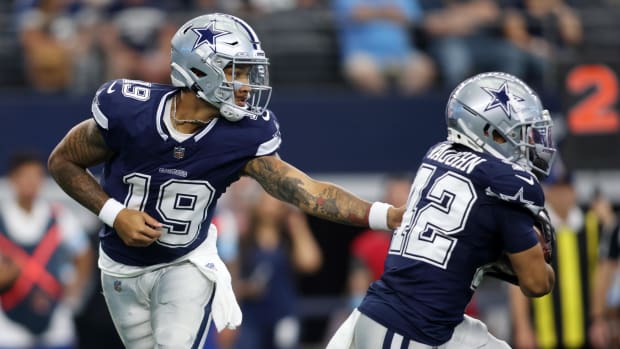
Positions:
{"x": 486, "y": 129}
{"x": 498, "y": 138}
{"x": 199, "y": 73}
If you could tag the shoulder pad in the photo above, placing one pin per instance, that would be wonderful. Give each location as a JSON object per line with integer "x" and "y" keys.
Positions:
{"x": 515, "y": 185}
{"x": 270, "y": 138}
{"x": 119, "y": 98}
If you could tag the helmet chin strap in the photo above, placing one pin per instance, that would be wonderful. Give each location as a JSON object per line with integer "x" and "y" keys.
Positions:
{"x": 228, "y": 111}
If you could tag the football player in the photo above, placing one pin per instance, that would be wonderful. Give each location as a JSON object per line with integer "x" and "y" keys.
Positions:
{"x": 472, "y": 209}
{"x": 169, "y": 152}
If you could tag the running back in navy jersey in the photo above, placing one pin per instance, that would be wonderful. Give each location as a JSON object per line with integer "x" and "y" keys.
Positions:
{"x": 464, "y": 209}
{"x": 177, "y": 183}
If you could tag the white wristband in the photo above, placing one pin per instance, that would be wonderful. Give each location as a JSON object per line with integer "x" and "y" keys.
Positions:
{"x": 109, "y": 211}
{"x": 377, "y": 217}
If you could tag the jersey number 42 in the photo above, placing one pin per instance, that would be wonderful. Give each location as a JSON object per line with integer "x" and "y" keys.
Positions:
{"x": 438, "y": 207}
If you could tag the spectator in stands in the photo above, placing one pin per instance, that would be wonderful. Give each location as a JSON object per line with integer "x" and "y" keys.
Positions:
{"x": 370, "y": 248}
{"x": 58, "y": 39}
{"x": 604, "y": 328}
{"x": 231, "y": 217}
{"x": 560, "y": 319}
{"x": 464, "y": 39}
{"x": 544, "y": 30}
{"x": 136, "y": 42}
{"x": 376, "y": 46}
{"x": 45, "y": 263}
{"x": 277, "y": 244}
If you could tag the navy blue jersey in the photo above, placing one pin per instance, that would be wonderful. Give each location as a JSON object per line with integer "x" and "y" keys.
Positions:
{"x": 464, "y": 209}
{"x": 178, "y": 183}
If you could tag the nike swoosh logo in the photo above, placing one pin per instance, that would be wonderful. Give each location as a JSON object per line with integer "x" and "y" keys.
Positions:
{"x": 528, "y": 180}
{"x": 110, "y": 89}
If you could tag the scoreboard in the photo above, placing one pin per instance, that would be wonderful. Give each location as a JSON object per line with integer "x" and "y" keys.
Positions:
{"x": 590, "y": 96}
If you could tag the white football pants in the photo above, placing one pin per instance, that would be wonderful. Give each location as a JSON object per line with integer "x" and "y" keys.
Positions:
{"x": 166, "y": 308}
{"x": 361, "y": 332}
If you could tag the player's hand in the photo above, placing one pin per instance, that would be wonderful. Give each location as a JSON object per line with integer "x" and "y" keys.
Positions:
{"x": 136, "y": 228}
{"x": 544, "y": 230}
{"x": 395, "y": 216}
{"x": 502, "y": 269}
{"x": 546, "y": 234}
{"x": 547, "y": 245}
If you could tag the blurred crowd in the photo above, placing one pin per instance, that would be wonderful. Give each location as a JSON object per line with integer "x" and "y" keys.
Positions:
{"x": 378, "y": 46}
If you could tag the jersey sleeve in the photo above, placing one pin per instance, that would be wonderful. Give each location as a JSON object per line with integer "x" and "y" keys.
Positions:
{"x": 515, "y": 186}
{"x": 516, "y": 227}
{"x": 112, "y": 108}
{"x": 267, "y": 135}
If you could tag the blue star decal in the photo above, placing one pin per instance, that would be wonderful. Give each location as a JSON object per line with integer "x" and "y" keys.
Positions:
{"x": 208, "y": 35}
{"x": 502, "y": 99}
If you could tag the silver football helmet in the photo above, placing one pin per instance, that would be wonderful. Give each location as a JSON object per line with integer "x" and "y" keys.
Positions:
{"x": 498, "y": 104}
{"x": 204, "y": 46}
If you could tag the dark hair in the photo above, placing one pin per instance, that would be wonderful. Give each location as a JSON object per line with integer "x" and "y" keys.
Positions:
{"x": 24, "y": 157}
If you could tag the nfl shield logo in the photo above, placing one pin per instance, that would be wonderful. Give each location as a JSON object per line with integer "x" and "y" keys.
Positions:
{"x": 118, "y": 286}
{"x": 179, "y": 152}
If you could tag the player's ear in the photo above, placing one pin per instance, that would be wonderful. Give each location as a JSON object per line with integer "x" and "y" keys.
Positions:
{"x": 498, "y": 138}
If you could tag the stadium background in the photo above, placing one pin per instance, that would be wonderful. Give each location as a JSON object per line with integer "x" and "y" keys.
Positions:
{"x": 333, "y": 132}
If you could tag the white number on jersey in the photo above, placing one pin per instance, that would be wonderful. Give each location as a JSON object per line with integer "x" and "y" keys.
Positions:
{"x": 136, "y": 89}
{"x": 426, "y": 236}
{"x": 182, "y": 205}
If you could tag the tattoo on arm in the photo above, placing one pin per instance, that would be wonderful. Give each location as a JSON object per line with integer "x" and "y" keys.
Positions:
{"x": 68, "y": 164}
{"x": 320, "y": 199}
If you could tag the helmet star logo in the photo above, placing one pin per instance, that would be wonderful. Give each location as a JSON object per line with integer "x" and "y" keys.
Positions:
{"x": 502, "y": 98}
{"x": 208, "y": 35}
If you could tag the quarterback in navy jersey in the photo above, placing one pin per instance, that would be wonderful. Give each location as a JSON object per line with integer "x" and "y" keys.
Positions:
{"x": 472, "y": 210}
{"x": 169, "y": 152}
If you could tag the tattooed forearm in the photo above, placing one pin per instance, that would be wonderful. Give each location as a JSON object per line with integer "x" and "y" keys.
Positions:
{"x": 81, "y": 148}
{"x": 80, "y": 185}
{"x": 324, "y": 200}
{"x": 275, "y": 179}
{"x": 340, "y": 206}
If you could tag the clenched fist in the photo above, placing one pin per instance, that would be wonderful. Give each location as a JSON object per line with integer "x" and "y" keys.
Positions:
{"x": 137, "y": 228}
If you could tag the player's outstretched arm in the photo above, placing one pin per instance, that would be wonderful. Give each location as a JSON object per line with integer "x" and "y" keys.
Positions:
{"x": 80, "y": 149}
{"x": 536, "y": 277}
{"x": 321, "y": 199}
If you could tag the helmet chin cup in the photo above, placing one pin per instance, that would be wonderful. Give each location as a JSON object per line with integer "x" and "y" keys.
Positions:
{"x": 232, "y": 113}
